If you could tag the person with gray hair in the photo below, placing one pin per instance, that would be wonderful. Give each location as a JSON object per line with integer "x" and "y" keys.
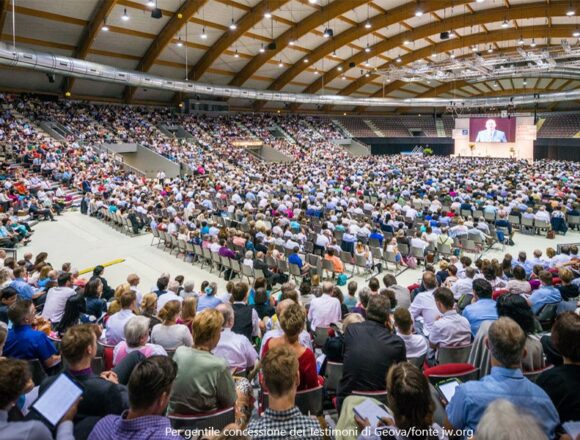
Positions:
{"x": 363, "y": 296}
{"x": 188, "y": 291}
{"x": 235, "y": 349}
{"x": 136, "y": 332}
{"x": 502, "y": 420}
{"x": 365, "y": 369}
{"x": 506, "y": 342}
{"x": 171, "y": 294}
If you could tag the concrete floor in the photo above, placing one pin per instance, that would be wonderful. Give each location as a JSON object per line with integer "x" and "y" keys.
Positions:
{"x": 85, "y": 242}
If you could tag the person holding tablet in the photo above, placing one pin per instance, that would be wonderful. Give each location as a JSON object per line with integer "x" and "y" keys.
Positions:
{"x": 15, "y": 379}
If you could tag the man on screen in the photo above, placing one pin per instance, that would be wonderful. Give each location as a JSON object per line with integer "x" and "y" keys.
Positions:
{"x": 490, "y": 134}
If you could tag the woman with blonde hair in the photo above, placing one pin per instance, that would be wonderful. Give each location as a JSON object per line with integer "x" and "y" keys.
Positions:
{"x": 149, "y": 309}
{"x": 115, "y": 305}
{"x": 169, "y": 334}
{"x": 203, "y": 381}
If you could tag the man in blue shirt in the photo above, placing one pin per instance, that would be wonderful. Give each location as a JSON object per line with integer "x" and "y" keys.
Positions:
{"x": 484, "y": 308}
{"x": 547, "y": 294}
{"x": 506, "y": 341}
{"x": 25, "y": 290}
{"x": 294, "y": 258}
{"x": 23, "y": 342}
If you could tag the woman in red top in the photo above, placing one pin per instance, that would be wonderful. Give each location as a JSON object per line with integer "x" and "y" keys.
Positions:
{"x": 292, "y": 322}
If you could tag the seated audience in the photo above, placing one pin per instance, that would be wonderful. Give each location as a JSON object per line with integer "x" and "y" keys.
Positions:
{"x": 483, "y": 309}
{"x": 364, "y": 369}
{"x": 115, "y": 328}
{"x": 415, "y": 345}
{"x": 16, "y": 380}
{"x": 96, "y": 306}
{"x": 401, "y": 292}
{"x": 208, "y": 299}
{"x": 518, "y": 283}
{"x": 503, "y": 420}
{"x": 149, "y": 390}
{"x": 423, "y": 308}
{"x": 203, "y": 381}
{"x": 234, "y": 348}
{"x": 23, "y": 341}
{"x": 293, "y": 322}
{"x": 546, "y": 294}
{"x": 506, "y": 341}
{"x": 562, "y": 382}
{"x": 325, "y": 309}
{"x": 168, "y": 333}
{"x": 135, "y": 337}
{"x": 8, "y": 296}
{"x": 281, "y": 376}
{"x": 247, "y": 321}
{"x": 101, "y": 394}
{"x": 304, "y": 337}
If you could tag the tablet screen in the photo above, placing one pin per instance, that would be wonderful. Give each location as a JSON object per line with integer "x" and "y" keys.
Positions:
{"x": 57, "y": 399}
{"x": 448, "y": 389}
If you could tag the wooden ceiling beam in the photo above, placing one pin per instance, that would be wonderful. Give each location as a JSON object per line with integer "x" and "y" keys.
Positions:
{"x": 3, "y": 12}
{"x": 303, "y": 27}
{"x": 187, "y": 10}
{"x": 395, "y": 15}
{"x": 484, "y": 16}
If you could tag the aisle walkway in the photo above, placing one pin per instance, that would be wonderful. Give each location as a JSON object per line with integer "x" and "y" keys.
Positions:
{"x": 86, "y": 242}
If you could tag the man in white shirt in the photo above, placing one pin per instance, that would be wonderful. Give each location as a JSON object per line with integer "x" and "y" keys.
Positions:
{"x": 325, "y": 309}
{"x": 236, "y": 349}
{"x": 115, "y": 329}
{"x": 464, "y": 286}
{"x": 57, "y": 297}
{"x": 423, "y": 308}
{"x": 171, "y": 295}
{"x": 542, "y": 214}
{"x": 452, "y": 329}
{"x": 417, "y": 242}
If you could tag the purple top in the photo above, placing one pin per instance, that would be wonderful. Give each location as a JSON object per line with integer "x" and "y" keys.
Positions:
{"x": 119, "y": 428}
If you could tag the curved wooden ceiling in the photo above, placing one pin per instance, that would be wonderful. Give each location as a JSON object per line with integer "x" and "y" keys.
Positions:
{"x": 367, "y": 34}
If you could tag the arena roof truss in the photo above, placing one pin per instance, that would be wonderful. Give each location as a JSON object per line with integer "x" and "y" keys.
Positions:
{"x": 357, "y": 48}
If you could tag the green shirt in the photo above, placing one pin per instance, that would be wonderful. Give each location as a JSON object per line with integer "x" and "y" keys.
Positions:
{"x": 203, "y": 383}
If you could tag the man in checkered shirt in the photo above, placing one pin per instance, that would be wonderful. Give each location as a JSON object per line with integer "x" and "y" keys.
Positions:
{"x": 283, "y": 420}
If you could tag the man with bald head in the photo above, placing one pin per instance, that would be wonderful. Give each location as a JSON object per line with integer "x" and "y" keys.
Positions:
{"x": 423, "y": 308}
{"x": 325, "y": 309}
{"x": 235, "y": 349}
{"x": 303, "y": 337}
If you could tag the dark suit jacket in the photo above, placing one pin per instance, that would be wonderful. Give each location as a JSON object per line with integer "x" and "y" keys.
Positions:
{"x": 100, "y": 398}
{"x": 365, "y": 369}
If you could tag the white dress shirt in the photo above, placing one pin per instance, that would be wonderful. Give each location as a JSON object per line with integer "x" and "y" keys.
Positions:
{"x": 236, "y": 349}
{"x": 165, "y": 298}
{"x": 323, "y": 311}
{"x": 56, "y": 299}
{"x": 451, "y": 330}
{"x": 416, "y": 345}
{"x": 463, "y": 286}
{"x": 115, "y": 329}
{"x": 423, "y": 308}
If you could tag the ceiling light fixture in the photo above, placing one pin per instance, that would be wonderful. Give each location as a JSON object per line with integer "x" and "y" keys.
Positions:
{"x": 262, "y": 50}
{"x": 179, "y": 42}
{"x": 490, "y": 49}
{"x": 233, "y": 26}
{"x": 367, "y": 49}
{"x": 367, "y": 75}
{"x": 316, "y": 72}
{"x": 525, "y": 82}
{"x": 479, "y": 1}
{"x": 104, "y": 27}
{"x": 291, "y": 43}
{"x": 533, "y": 43}
{"x": 203, "y": 34}
{"x": 328, "y": 33}
{"x": 305, "y": 60}
{"x": 280, "y": 64}
{"x": 368, "y": 25}
{"x": 418, "y": 13}
{"x": 407, "y": 42}
{"x": 151, "y": 3}
{"x": 399, "y": 59}
{"x": 452, "y": 56}
{"x": 343, "y": 77}
{"x": 571, "y": 11}
{"x": 576, "y": 33}
{"x": 339, "y": 68}
{"x": 236, "y": 55}
{"x": 268, "y": 14}
{"x": 312, "y": 2}
{"x": 451, "y": 34}
{"x": 505, "y": 24}
{"x": 125, "y": 17}
{"x": 521, "y": 41}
